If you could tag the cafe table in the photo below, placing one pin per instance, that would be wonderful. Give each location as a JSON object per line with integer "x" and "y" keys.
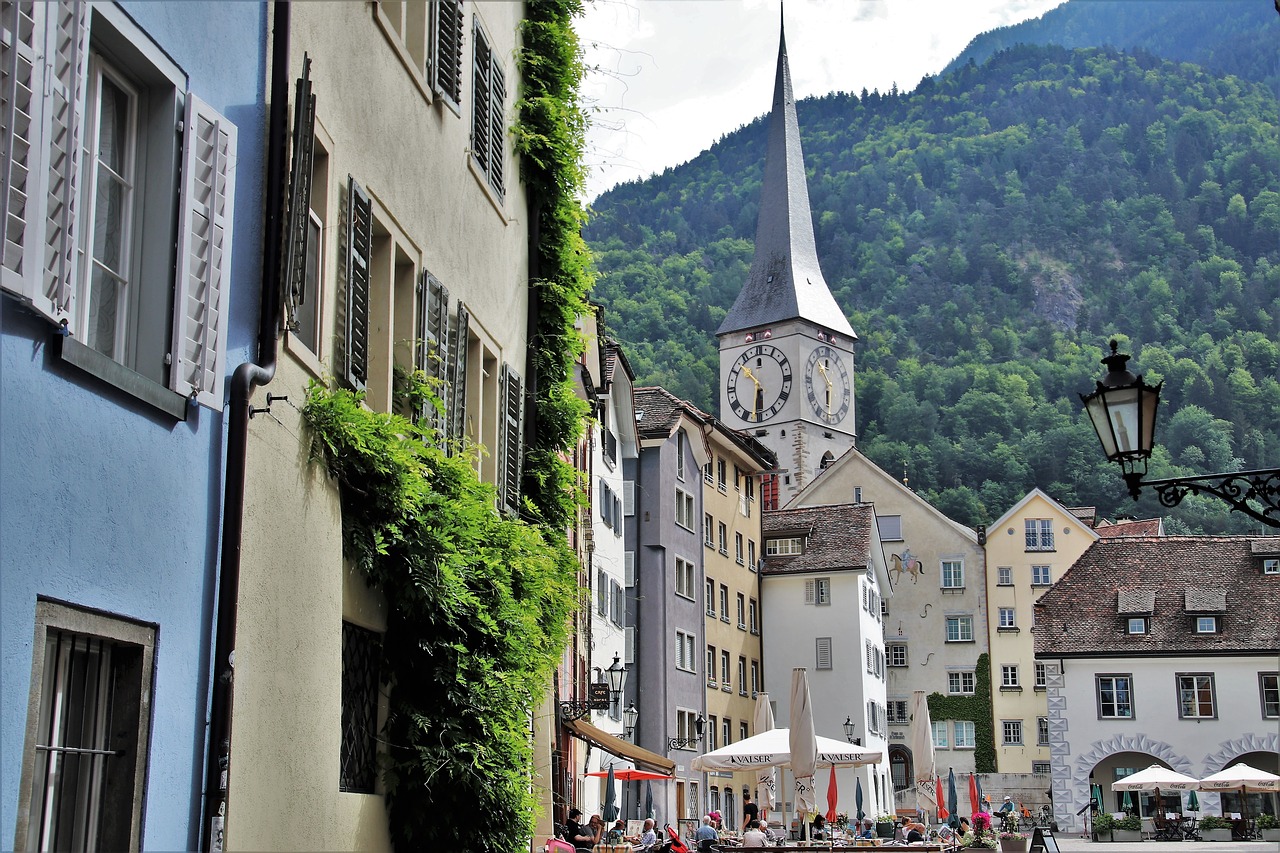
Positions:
{"x": 611, "y": 848}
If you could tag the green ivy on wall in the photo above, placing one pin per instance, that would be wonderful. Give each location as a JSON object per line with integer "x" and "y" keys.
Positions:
{"x": 976, "y": 708}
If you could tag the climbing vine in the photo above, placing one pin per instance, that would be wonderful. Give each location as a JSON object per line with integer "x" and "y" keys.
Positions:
{"x": 976, "y": 708}
{"x": 477, "y": 604}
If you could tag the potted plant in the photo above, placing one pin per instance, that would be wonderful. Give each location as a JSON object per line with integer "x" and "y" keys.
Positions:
{"x": 1269, "y": 827}
{"x": 884, "y": 825}
{"x": 1128, "y": 828}
{"x": 1215, "y": 828}
{"x": 1103, "y": 824}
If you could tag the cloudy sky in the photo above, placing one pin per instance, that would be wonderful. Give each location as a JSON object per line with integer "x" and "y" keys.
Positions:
{"x": 675, "y": 75}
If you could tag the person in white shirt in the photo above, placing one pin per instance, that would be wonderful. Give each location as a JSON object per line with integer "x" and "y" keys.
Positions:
{"x": 647, "y": 837}
{"x": 754, "y": 836}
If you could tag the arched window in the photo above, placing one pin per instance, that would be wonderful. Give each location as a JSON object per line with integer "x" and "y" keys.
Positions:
{"x": 827, "y": 459}
{"x": 900, "y": 768}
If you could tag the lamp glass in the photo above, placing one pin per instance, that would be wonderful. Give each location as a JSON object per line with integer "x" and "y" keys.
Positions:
{"x": 629, "y": 717}
{"x": 617, "y": 675}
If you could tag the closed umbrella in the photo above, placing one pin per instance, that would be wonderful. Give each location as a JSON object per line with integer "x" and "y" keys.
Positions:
{"x": 766, "y": 777}
{"x": 803, "y": 743}
{"x": 975, "y": 798}
{"x": 648, "y": 801}
{"x": 1127, "y": 802}
{"x": 951, "y": 794}
{"x": 832, "y": 796}
{"x": 857, "y": 799}
{"x": 943, "y": 814}
{"x": 922, "y": 749}
{"x": 1193, "y": 802}
{"x": 609, "y": 811}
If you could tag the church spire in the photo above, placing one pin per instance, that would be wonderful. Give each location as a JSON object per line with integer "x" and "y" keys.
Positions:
{"x": 785, "y": 281}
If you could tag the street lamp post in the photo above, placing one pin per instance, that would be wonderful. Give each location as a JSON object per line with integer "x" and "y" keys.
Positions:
{"x": 849, "y": 728}
{"x": 629, "y": 717}
{"x": 1123, "y": 411}
{"x": 617, "y": 676}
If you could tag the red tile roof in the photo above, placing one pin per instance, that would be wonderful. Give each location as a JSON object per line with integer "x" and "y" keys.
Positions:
{"x": 1083, "y": 614}
{"x": 837, "y": 537}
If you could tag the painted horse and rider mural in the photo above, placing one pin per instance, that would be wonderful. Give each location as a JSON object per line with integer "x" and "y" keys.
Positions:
{"x": 906, "y": 563}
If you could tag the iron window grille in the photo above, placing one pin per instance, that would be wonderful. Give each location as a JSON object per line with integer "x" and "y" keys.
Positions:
{"x": 361, "y": 654}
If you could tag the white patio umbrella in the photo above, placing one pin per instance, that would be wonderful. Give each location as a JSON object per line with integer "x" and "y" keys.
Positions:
{"x": 767, "y": 777}
{"x": 1240, "y": 776}
{"x": 922, "y": 748}
{"x": 803, "y": 742}
{"x": 1155, "y": 778}
{"x": 772, "y": 748}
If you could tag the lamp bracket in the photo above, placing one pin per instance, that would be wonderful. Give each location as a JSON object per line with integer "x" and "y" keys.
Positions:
{"x": 682, "y": 742}
{"x": 1238, "y": 489}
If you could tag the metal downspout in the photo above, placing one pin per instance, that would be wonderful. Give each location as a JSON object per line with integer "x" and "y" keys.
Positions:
{"x": 246, "y": 377}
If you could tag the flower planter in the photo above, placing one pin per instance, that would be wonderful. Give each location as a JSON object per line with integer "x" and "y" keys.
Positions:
{"x": 1126, "y": 835}
{"x": 884, "y": 830}
{"x": 1014, "y": 845}
{"x": 1270, "y": 834}
{"x": 1216, "y": 834}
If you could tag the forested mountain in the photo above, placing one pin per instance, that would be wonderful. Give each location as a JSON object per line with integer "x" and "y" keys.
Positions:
{"x": 986, "y": 235}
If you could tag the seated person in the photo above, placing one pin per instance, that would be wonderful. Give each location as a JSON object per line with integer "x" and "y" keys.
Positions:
{"x": 754, "y": 836}
{"x": 868, "y": 829}
{"x": 775, "y": 831}
{"x": 616, "y": 833}
{"x": 964, "y": 833}
{"x": 819, "y": 828}
{"x": 647, "y": 838}
{"x": 572, "y": 828}
{"x": 588, "y": 836}
{"x": 706, "y": 834}
{"x": 947, "y": 837}
{"x": 914, "y": 831}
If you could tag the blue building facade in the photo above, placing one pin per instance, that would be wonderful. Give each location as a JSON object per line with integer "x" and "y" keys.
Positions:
{"x": 133, "y": 182}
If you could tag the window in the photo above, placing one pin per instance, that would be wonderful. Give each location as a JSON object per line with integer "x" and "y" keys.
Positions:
{"x": 742, "y": 611}
{"x": 428, "y": 38}
{"x": 755, "y": 678}
{"x": 959, "y": 629}
{"x": 1269, "y": 688}
{"x": 743, "y": 731}
{"x": 751, "y": 554}
{"x": 817, "y": 591}
{"x": 966, "y": 735}
{"x": 88, "y": 731}
{"x": 1009, "y": 676}
{"x": 684, "y": 578}
{"x": 686, "y": 645}
{"x": 1041, "y": 676}
{"x": 1136, "y": 625}
{"x": 940, "y": 735}
{"x": 680, "y": 453}
{"x": 890, "y": 527}
{"x": 1115, "y": 697}
{"x": 1041, "y": 767}
{"x": 1042, "y": 731}
{"x": 896, "y": 653}
{"x": 617, "y": 604}
{"x": 952, "y": 574}
{"x": 724, "y": 538}
{"x": 684, "y": 509}
{"x": 823, "y": 658}
{"x": 1040, "y": 576}
{"x": 488, "y": 122}
{"x": 726, "y": 673}
{"x": 1196, "y": 696}
{"x": 309, "y": 190}
{"x": 742, "y": 676}
{"x": 737, "y": 478}
{"x": 896, "y": 711}
{"x": 602, "y": 592}
{"x": 751, "y": 617}
{"x": 788, "y": 547}
{"x": 708, "y": 530}
{"x": 726, "y": 730}
{"x": 687, "y": 729}
{"x": 721, "y": 483}
{"x": 1039, "y": 534}
{"x": 1004, "y": 576}
{"x": 95, "y": 251}
{"x": 724, "y": 603}
{"x": 711, "y": 597}
{"x": 737, "y": 547}
{"x": 960, "y": 683}
{"x": 711, "y": 666}
{"x": 1271, "y": 566}
{"x": 706, "y": 473}
{"x": 1206, "y": 624}
{"x": 361, "y": 658}
{"x": 1012, "y": 730}
{"x": 1008, "y": 618}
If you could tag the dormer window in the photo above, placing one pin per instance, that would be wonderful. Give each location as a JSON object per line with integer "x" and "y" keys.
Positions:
{"x": 1137, "y": 625}
{"x": 788, "y": 547}
{"x": 1271, "y": 566}
{"x": 1206, "y": 624}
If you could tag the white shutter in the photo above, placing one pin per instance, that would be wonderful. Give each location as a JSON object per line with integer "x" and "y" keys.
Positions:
{"x": 202, "y": 291}
{"x": 628, "y": 497}
{"x": 823, "y": 653}
{"x": 629, "y": 568}
{"x": 629, "y": 646}
{"x": 43, "y": 56}
{"x": 810, "y": 592}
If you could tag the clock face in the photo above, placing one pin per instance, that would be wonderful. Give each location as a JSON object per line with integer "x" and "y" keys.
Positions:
{"x": 759, "y": 383}
{"x": 827, "y": 381}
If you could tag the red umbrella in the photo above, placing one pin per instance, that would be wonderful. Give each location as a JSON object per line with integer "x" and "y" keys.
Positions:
{"x": 832, "y": 796}
{"x": 630, "y": 774}
{"x": 974, "y": 800}
{"x": 943, "y": 814}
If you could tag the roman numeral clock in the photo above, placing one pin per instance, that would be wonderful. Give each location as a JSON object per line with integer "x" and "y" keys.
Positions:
{"x": 826, "y": 380}
{"x": 759, "y": 383}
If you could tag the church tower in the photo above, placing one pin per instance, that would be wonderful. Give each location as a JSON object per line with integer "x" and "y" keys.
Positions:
{"x": 786, "y": 348}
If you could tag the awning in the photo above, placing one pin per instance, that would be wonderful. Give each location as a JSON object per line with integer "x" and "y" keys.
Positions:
{"x": 643, "y": 758}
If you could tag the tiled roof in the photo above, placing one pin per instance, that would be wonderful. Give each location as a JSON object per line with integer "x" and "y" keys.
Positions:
{"x": 1087, "y": 514}
{"x": 1082, "y": 614}
{"x": 836, "y": 537}
{"x": 1266, "y": 545}
{"x": 658, "y": 411}
{"x": 1144, "y": 527}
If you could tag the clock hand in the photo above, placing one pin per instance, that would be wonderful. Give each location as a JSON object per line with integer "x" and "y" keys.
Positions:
{"x": 822, "y": 368}
{"x": 758, "y": 396}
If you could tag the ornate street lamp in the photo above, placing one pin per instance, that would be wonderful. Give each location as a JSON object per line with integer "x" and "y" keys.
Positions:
{"x": 617, "y": 676}
{"x": 629, "y": 717}
{"x": 687, "y": 742}
{"x": 1123, "y": 411}
{"x": 849, "y": 728}
{"x": 602, "y": 694}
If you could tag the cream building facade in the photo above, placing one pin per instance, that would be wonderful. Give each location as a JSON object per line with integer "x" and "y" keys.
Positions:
{"x": 416, "y": 255}
{"x": 1028, "y": 549}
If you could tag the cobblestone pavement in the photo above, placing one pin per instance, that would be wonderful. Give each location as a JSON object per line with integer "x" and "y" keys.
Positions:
{"x": 1076, "y": 844}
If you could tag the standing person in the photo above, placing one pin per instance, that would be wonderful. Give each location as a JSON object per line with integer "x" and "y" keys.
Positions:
{"x": 754, "y": 836}
{"x": 750, "y": 811}
{"x": 706, "y": 834}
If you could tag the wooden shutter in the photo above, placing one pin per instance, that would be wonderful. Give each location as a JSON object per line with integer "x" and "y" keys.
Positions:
{"x": 460, "y": 328}
{"x": 43, "y": 61}
{"x": 446, "y": 50}
{"x": 304, "y": 139}
{"x": 480, "y": 97}
{"x": 497, "y": 125}
{"x": 202, "y": 291}
{"x": 511, "y": 440}
{"x": 359, "y": 252}
{"x": 431, "y": 351}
